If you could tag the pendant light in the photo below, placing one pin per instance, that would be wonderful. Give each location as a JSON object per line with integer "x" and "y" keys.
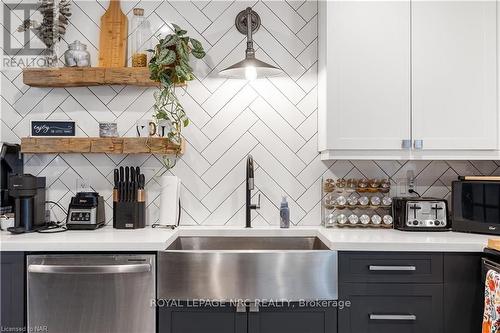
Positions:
{"x": 250, "y": 68}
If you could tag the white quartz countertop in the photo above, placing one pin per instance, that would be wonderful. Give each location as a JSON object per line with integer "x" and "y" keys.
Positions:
{"x": 154, "y": 239}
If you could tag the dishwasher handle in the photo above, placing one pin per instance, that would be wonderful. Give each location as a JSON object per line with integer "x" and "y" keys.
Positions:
{"x": 89, "y": 269}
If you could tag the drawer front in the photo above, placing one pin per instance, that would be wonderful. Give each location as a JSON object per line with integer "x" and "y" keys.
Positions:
{"x": 383, "y": 308}
{"x": 389, "y": 267}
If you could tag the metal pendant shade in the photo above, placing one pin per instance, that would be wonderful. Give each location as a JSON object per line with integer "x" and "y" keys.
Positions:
{"x": 250, "y": 68}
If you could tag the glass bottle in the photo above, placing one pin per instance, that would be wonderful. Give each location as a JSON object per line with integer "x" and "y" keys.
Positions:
{"x": 141, "y": 38}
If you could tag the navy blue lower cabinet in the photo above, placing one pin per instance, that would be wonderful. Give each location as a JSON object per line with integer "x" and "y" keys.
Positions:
{"x": 186, "y": 317}
{"x": 12, "y": 306}
{"x": 391, "y": 308}
{"x": 319, "y": 317}
{"x": 463, "y": 293}
{"x": 410, "y": 292}
{"x": 281, "y": 318}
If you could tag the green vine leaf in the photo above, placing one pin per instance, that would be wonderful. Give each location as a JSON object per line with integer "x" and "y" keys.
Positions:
{"x": 178, "y": 31}
{"x": 170, "y": 65}
{"x": 170, "y": 40}
{"x": 167, "y": 57}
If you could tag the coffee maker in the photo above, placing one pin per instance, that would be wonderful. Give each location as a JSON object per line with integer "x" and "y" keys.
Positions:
{"x": 11, "y": 163}
{"x": 28, "y": 193}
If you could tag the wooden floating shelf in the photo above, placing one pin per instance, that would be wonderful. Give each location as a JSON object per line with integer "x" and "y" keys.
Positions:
{"x": 151, "y": 145}
{"x": 87, "y": 76}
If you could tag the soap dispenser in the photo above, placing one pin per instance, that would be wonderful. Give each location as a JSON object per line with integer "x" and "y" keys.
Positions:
{"x": 284, "y": 214}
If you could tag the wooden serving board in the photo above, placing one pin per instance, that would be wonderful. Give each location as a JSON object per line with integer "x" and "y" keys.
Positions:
{"x": 113, "y": 38}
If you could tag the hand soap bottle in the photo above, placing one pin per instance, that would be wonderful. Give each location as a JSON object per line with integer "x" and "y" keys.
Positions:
{"x": 284, "y": 214}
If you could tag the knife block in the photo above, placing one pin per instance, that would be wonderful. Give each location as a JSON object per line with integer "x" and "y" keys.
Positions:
{"x": 129, "y": 215}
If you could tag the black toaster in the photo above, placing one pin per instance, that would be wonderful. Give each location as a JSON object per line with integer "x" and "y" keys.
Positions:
{"x": 420, "y": 214}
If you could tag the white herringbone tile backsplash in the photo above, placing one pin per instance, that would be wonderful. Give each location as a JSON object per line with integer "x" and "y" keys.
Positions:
{"x": 272, "y": 119}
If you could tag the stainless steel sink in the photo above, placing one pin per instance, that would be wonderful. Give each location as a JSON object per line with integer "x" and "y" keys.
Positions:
{"x": 247, "y": 243}
{"x": 247, "y": 268}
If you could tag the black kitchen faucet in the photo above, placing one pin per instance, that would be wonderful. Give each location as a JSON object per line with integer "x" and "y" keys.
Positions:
{"x": 249, "y": 188}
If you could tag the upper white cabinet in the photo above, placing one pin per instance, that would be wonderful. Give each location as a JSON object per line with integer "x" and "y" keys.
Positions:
{"x": 401, "y": 79}
{"x": 366, "y": 72}
{"x": 454, "y": 74}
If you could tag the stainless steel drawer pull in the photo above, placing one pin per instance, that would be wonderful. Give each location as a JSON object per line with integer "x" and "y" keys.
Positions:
{"x": 392, "y": 268}
{"x": 94, "y": 269}
{"x": 392, "y": 317}
{"x": 254, "y": 307}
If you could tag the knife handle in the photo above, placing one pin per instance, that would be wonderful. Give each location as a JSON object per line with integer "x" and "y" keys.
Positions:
{"x": 141, "y": 195}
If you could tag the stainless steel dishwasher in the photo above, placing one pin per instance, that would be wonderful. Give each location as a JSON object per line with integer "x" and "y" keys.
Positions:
{"x": 91, "y": 293}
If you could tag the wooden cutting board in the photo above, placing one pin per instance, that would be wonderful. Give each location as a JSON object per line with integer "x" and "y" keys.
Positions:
{"x": 494, "y": 243}
{"x": 113, "y": 38}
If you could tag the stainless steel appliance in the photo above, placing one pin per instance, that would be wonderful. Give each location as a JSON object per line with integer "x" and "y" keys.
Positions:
{"x": 11, "y": 163}
{"x": 476, "y": 205}
{"x": 28, "y": 192}
{"x": 247, "y": 268}
{"x": 86, "y": 211}
{"x": 91, "y": 293}
{"x": 420, "y": 214}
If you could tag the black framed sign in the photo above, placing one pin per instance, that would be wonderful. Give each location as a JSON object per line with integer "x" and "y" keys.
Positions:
{"x": 53, "y": 128}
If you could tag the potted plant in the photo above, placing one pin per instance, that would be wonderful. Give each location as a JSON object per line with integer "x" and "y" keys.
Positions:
{"x": 170, "y": 66}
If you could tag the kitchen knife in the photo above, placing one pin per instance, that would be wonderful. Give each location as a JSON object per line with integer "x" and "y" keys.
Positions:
{"x": 132, "y": 184}
{"x": 140, "y": 192}
{"x": 116, "y": 177}
{"x": 142, "y": 181}
{"x": 127, "y": 183}
{"x": 122, "y": 184}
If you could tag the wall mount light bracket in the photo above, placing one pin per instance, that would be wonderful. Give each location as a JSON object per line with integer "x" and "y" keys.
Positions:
{"x": 241, "y": 21}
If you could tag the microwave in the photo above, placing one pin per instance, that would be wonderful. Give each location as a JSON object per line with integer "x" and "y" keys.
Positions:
{"x": 476, "y": 205}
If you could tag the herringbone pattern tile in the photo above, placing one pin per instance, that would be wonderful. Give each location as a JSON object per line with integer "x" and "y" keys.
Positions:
{"x": 272, "y": 119}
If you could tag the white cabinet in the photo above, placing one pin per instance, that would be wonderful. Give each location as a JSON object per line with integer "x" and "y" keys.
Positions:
{"x": 454, "y": 73}
{"x": 400, "y": 72}
{"x": 367, "y": 74}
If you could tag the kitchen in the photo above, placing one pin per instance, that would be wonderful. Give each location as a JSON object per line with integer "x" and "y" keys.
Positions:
{"x": 331, "y": 167}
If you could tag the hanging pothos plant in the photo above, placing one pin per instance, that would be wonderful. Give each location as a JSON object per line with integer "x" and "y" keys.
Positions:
{"x": 170, "y": 67}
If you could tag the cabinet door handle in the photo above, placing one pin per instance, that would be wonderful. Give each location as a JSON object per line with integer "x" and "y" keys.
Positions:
{"x": 406, "y": 144}
{"x": 392, "y": 268}
{"x": 254, "y": 307}
{"x": 392, "y": 317}
{"x": 418, "y": 144}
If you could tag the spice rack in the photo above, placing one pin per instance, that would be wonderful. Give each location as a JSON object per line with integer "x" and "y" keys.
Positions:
{"x": 356, "y": 203}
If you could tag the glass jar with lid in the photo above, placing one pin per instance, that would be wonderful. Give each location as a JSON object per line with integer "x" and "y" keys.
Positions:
{"x": 141, "y": 38}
